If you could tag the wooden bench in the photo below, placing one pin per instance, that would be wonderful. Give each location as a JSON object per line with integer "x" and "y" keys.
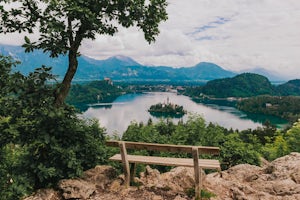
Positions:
{"x": 195, "y": 162}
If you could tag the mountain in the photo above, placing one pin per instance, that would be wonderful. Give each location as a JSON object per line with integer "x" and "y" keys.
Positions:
{"x": 117, "y": 68}
{"x": 33, "y": 60}
{"x": 243, "y": 85}
{"x": 291, "y": 87}
{"x": 205, "y": 71}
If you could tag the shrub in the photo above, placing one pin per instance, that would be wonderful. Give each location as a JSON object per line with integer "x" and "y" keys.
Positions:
{"x": 39, "y": 142}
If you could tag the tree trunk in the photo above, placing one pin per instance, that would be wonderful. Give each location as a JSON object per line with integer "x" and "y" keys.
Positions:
{"x": 65, "y": 86}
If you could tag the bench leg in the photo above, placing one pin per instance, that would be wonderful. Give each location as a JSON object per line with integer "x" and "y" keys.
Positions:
{"x": 125, "y": 162}
{"x": 132, "y": 172}
{"x": 197, "y": 173}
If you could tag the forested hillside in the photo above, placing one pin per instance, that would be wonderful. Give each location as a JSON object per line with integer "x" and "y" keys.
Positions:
{"x": 93, "y": 92}
{"x": 256, "y": 95}
{"x": 292, "y": 87}
{"x": 243, "y": 85}
{"x": 287, "y": 107}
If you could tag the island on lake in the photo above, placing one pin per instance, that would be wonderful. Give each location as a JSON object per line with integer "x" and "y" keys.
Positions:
{"x": 166, "y": 110}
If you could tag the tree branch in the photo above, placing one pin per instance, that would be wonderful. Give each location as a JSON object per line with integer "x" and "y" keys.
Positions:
{"x": 70, "y": 31}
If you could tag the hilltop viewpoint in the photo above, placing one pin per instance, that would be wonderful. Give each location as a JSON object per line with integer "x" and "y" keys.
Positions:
{"x": 276, "y": 180}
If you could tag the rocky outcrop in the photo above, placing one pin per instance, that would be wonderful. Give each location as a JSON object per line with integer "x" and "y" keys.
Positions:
{"x": 76, "y": 189}
{"x": 92, "y": 181}
{"x": 45, "y": 194}
{"x": 178, "y": 179}
{"x": 278, "y": 180}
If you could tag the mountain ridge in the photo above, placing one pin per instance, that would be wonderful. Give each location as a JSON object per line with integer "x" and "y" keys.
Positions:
{"x": 118, "y": 68}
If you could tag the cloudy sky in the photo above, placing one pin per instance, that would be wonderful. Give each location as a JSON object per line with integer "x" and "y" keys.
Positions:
{"x": 235, "y": 34}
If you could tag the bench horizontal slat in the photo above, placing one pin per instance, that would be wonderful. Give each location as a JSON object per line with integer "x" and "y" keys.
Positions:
{"x": 165, "y": 147}
{"x": 153, "y": 160}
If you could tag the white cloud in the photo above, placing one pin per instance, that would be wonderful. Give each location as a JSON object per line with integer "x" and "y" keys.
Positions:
{"x": 236, "y": 34}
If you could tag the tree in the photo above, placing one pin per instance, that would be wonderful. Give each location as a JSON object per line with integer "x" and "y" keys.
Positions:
{"x": 234, "y": 151}
{"x": 63, "y": 25}
{"x": 293, "y": 137}
{"x": 39, "y": 142}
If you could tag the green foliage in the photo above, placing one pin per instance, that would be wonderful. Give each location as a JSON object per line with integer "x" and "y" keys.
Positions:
{"x": 207, "y": 194}
{"x": 243, "y": 85}
{"x": 259, "y": 93}
{"x": 234, "y": 151}
{"x": 293, "y": 137}
{"x": 260, "y": 135}
{"x": 190, "y": 192}
{"x": 195, "y": 132}
{"x": 276, "y": 149}
{"x": 284, "y": 143}
{"x": 280, "y": 106}
{"x": 93, "y": 92}
{"x": 39, "y": 142}
{"x": 14, "y": 179}
{"x": 292, "y": 87}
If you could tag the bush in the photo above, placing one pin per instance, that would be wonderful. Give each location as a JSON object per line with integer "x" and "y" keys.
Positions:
{"x": 40, "y": 143}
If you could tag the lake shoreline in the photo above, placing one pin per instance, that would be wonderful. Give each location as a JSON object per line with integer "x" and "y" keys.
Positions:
{"x": 128, "y": 108}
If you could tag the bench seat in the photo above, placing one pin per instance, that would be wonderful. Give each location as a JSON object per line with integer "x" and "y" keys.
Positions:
{"x": 154, "y": 160}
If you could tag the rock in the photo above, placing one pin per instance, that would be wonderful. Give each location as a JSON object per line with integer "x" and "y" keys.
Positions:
{"x": 44, "y": 194}
{"x": 295, "y": 176}
{"x": 76, "y": 188}
{"x": 101, "y": 176}
{"x": 178, "y": 179}
{"x": 151, "y": 177}
{"x": 286, "y": 165}
{"x": 157, "y": 197}
{"x": 278, "y": 180}
{"x": 286, "y": 188}
{"x": 269, "y": 169}
{"x": 243, "y": 172}
{"x": 252, "y": 177}
{"x": 97, "y": 178}
{"x": 115, "y": 186}
{"x": 237, "y": 194}
{"x": 178, "y": 197}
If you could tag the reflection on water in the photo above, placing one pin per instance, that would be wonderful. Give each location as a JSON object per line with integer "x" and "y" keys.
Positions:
{"x": 133, "y": 107}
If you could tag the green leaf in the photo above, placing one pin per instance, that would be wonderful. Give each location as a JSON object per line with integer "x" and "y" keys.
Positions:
{"x": 27, "y": 40}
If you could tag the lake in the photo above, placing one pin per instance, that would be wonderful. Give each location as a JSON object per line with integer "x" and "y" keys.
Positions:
{"x": 116, "y": 116}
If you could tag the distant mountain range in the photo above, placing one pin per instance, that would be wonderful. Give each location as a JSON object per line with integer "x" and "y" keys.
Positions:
{"x": 118, "y": 68}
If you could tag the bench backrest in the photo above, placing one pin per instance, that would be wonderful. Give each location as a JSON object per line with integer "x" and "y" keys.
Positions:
{"x": 165, "y": 147}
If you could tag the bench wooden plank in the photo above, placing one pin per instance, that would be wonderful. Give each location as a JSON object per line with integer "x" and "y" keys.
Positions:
{"x": 165, "y": 147}
{"x": 154, "y": 160}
